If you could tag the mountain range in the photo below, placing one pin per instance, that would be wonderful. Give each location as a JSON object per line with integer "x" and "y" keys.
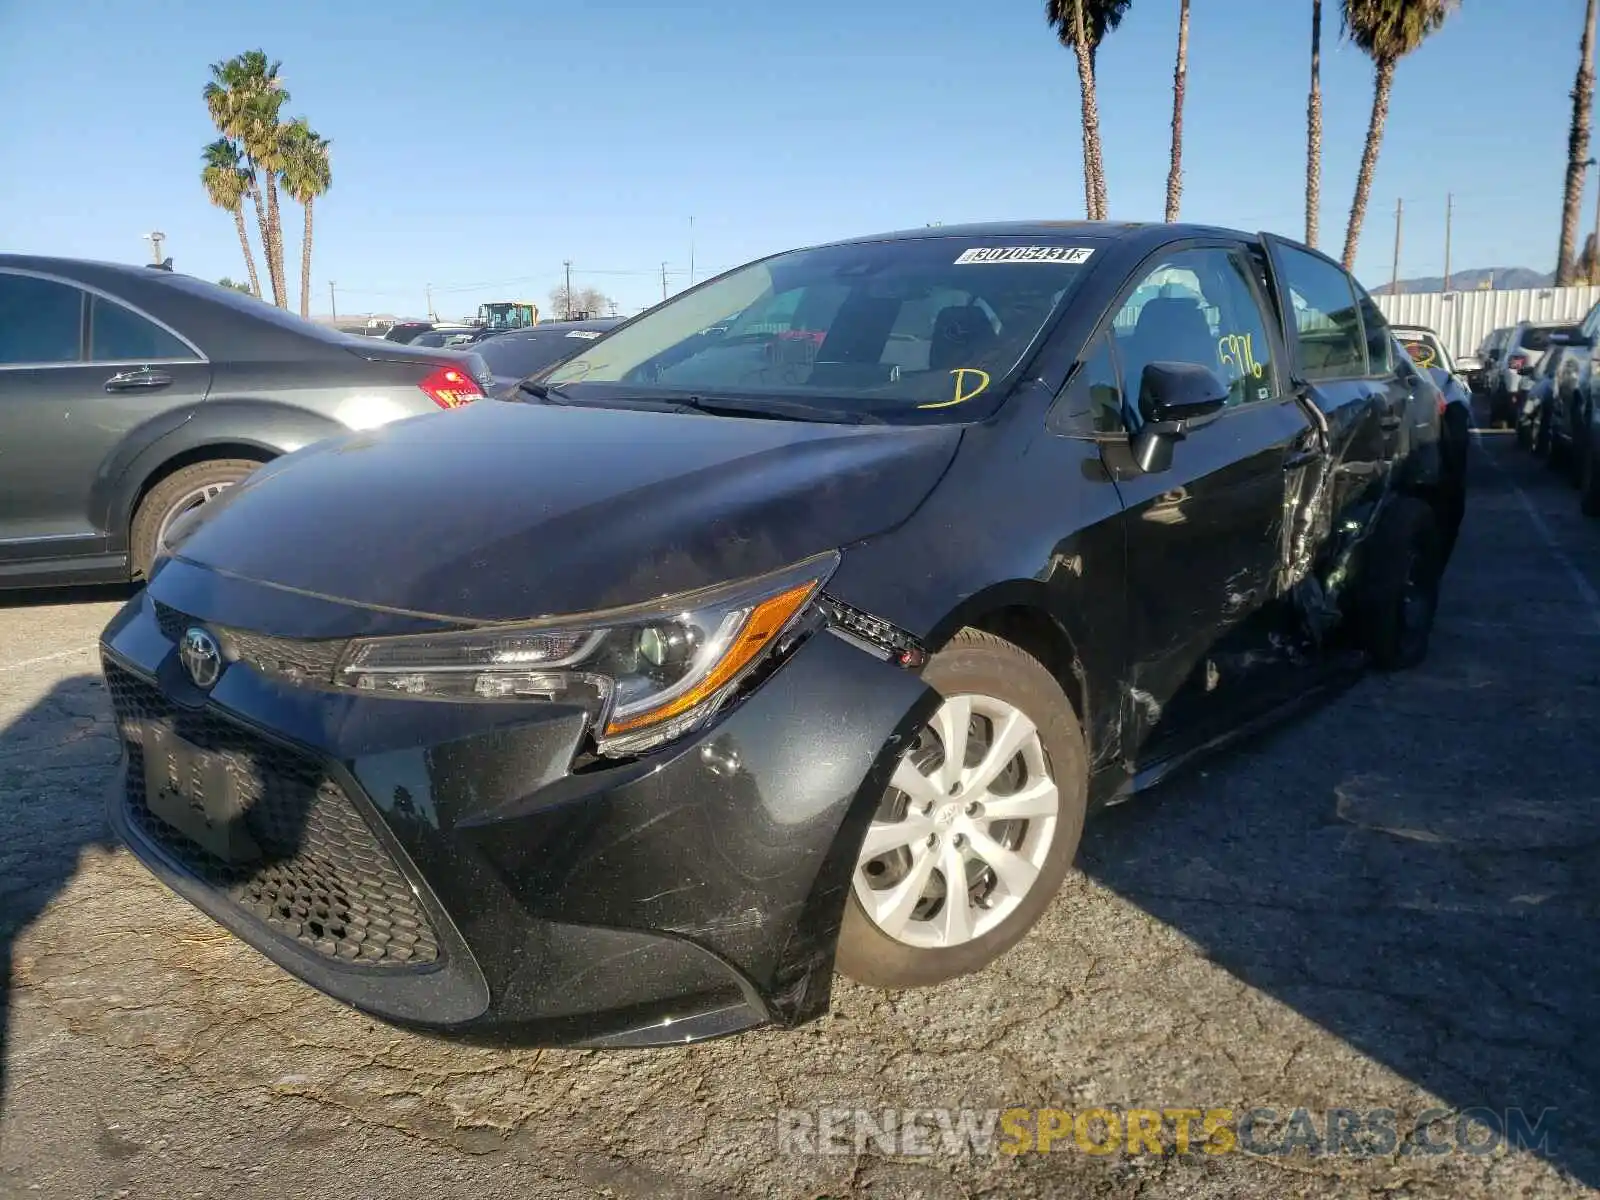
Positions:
{"x": 1467, "y": 281}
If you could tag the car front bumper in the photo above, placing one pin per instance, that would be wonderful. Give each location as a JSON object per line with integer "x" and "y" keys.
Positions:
{"x": 466, "y": 867}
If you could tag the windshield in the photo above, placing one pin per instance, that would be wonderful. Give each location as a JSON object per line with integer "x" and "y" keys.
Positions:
{"x": 518, "y": 355}
{"x": 887, "y": 327}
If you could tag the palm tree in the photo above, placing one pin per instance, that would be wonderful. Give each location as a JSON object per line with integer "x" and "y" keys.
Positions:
{"x": 306, "y": 175}
{"x": 1180, "y": 79}
{"x": 244, "y": 98}
{"x": 1386, "y": 31}
{"x": 1314, "y": 129}
{"x": 1577, "y": 149}
{"x": 1081, "y": 25}
{"x": 227, "y": 183}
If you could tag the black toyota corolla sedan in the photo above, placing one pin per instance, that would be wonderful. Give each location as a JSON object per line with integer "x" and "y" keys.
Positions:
{"x": 793, "y": 625}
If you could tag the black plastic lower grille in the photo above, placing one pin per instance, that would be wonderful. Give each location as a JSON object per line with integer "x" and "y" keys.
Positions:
{"x": 321, "y": 877}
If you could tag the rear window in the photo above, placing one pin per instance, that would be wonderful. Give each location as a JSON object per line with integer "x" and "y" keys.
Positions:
{"x": 1534, "y": 338}
{"x": 886, "y": 327}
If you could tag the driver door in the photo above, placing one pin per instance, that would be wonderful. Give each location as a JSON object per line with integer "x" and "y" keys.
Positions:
{"x": 1205, "y": 538}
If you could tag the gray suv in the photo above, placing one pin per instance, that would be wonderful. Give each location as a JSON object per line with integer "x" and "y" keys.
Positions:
{"x": 1518, "y": 358}
{"x": 130, "y": 395}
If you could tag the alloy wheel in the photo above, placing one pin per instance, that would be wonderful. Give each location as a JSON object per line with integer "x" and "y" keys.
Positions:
{"x": 186, "y": 503}
{"x": 963, "y": 831}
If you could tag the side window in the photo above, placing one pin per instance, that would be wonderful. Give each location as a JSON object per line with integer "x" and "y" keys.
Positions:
{"x": 41, "y": 320}
{"x": 1094, "y": 395}
{"x": 1380, "y": 342}
{"x": 1326, "y": 318}
{"x": 1197, "y": 307}
{"x": 117, "y": 334}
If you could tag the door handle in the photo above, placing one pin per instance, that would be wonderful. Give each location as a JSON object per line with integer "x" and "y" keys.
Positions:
{"x": 143, "y": 378}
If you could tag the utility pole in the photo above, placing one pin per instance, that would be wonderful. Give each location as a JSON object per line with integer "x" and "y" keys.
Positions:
{"x": 428, "y": 291}
{"x": 1596, "y": 262}
{"x": 691, "y": 251}
{"x": 1394, "y": 277}
{"x": 155, "y": 238}
{"x": 567, "y": 295}
{"x": 1449, "y": 212}
{"x": 663, "y": 281}
{"x": 333, "y": 300}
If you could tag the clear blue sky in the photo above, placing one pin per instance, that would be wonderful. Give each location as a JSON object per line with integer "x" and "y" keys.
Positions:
{"x": 484, "y": 144}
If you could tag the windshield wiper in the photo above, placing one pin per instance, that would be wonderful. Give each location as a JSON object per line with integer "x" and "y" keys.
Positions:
{"x": 544, "y": 391}
{"x": 779, "y": 410}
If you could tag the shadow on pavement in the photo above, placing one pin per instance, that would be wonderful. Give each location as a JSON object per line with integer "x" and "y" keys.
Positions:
{"x": 83, "y": 594}
{"x": 1416, "y": 868}
{"x": 51, "y": 792}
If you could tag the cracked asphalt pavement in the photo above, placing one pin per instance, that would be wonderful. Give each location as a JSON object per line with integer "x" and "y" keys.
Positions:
{"x": 1392, "y": 902}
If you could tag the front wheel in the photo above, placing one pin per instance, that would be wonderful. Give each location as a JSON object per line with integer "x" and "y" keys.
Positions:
{"x": 185, "y": 489}
{"x": 979, "y": 825}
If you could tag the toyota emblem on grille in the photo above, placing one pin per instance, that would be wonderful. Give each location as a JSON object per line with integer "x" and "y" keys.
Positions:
{"x": 201, "y": 656}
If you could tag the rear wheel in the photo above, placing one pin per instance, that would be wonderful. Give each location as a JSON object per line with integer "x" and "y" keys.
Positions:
{"x": 185, "y": 489}
{"x": 1399, "y": 598}
{"x": 978, "y": 827}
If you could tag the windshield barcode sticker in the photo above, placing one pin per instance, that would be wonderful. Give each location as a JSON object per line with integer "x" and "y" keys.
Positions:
{"x": 1016, "y": 254}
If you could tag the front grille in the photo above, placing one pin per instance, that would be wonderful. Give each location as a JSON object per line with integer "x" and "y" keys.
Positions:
{"x": 321, "y": 878}
{"x": 297, "y": 660}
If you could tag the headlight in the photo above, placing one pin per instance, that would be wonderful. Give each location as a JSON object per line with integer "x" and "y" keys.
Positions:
{"x": 645, "y": 674}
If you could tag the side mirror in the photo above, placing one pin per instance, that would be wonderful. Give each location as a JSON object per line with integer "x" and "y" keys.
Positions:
{"x": 1172, "y": 397}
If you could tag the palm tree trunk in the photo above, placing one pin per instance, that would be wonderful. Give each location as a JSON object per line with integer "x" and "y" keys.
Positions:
{"x": 266, "y": 234}
{"x": 1180, "y": 80}
{"x": 1369, "y": 159}
{"x": 244, "y": 243}
{"x": 305, "y": 264}
{"x": 1577, "y": 149}
{"x": 1093, "y": 182}
{"x": 280, "y": 284}
{"x": 1314, "y": 129}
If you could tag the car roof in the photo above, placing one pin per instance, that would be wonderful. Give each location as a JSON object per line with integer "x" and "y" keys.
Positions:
{"x": 1414, "y": 329}
{"x": 1105, "y": 231}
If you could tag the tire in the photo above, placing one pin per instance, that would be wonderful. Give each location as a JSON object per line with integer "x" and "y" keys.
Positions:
{"x": 988, "y": 673}
{"x": 176, "y": 494}
{"x": 1399, "y": 598}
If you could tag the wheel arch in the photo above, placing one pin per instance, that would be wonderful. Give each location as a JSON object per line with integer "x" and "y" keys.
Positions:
{"x": 1019, "y": 612}
{"x": 253, "y": 429}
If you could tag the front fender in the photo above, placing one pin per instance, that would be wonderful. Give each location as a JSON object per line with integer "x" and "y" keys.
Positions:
{"x": 259, "y": 428}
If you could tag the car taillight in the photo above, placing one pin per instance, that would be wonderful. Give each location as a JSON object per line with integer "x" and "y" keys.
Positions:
{"x": 451, "y": 387}
{"x": 1517, "y": 362}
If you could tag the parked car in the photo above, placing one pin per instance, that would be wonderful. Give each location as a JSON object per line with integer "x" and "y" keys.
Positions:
{"x": 442, "y": 335}
{"x": 1534, "y": 413}
{"x": 1490, "y": 352}
{"x": 407, "y": 331}
{"x": 1424, "y": 348}
{"x": 1524, "y": 348}
{"x": 518, "y": 353}
{"x": 130, "y": 395}
{"x": 1573, "y": 417}
{"x": 624, "y": 717}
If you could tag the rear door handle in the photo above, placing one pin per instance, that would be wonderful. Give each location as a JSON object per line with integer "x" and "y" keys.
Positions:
{"x": 143, "y": 378}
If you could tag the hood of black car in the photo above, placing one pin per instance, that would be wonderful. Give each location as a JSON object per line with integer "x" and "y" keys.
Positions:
{"x": 501, "y": 511}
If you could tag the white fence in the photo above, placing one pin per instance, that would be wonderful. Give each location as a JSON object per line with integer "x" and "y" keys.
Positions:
{"x": 1463, "y": 319}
